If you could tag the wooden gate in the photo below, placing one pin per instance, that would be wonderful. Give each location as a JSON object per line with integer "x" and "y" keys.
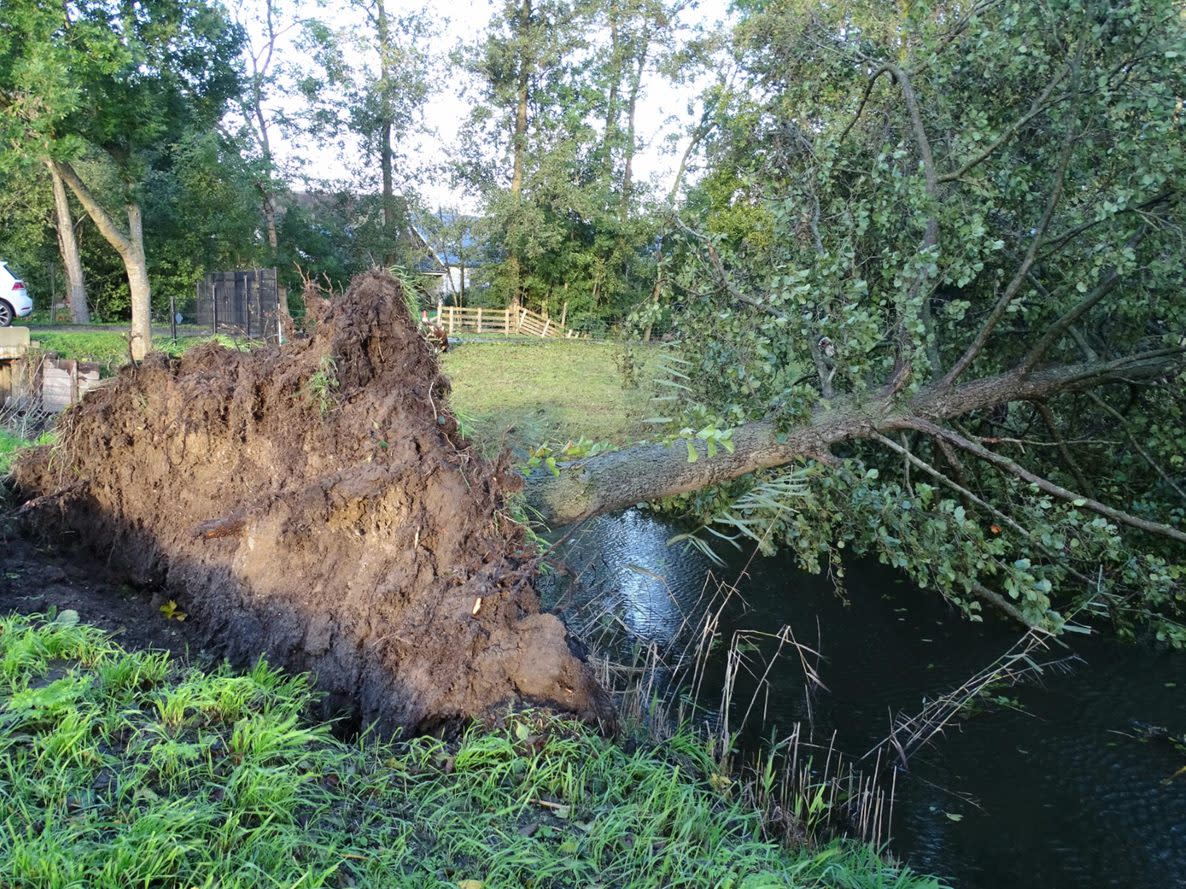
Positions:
{"x": 240, "y": 303}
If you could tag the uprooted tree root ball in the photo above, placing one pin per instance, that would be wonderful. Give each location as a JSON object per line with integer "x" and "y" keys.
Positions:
{"x": 315, "y": 503}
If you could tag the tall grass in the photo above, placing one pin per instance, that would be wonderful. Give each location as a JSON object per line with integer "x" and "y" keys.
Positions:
{"x": 119, "y": 768}
{"x": 805, "y": 790}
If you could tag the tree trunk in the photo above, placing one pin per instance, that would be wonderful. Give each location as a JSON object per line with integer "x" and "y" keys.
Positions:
{"x": 269, "y": 210}
{"x": 130, "y": 248}
{"x": 386, "y": 162}
{"x": 519, "y": 148}
{"x": 386, "y": 125}
{"x": 68, "y": 244}
{"x": 618, "y": 479}
{"x": 137, "y": 266}
{"x": 631, "y": 135}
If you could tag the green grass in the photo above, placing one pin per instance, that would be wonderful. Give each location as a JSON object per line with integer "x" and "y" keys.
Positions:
{"x": 110, "y": 347}
{"x": 121, "y": 769}
{"x": 545, "y": 391}
{"x": 106, "y": 347}
{"x": 11, "y": 445}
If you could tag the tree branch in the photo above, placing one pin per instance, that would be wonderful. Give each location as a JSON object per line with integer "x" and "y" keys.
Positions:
{"x": 1102, "y": 289}
{"x": 1039, "y": 105}
{"x": 861, "y": 107}
{"x": 1123, "y": 421}
{"x": 1014, "y": 286}
{"x": 1043, "y": 484}
{"x": 1048, "y": 419}
{"x": 643, "y": 472}
{"x": 103, "y": 221}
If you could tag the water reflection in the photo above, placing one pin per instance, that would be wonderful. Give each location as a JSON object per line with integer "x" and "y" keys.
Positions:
{"x": 1055, "y": 794}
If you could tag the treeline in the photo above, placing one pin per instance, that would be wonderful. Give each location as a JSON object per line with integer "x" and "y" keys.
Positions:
{"x": 182, "y": 136}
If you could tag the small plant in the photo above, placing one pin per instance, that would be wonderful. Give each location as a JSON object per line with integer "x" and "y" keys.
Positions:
{"x": 549, "y": 456}
{"x": 323, "y": 385}
{"x": 172, "y": 611}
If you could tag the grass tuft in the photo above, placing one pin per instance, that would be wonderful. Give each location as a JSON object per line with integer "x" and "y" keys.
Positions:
{"x": 120, "y": 768}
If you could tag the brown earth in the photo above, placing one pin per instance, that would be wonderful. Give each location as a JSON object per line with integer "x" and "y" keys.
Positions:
{"x": 316, "y": 503}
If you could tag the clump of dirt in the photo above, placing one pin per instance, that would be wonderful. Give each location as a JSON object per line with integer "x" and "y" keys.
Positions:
{"x": 315, "y": 503}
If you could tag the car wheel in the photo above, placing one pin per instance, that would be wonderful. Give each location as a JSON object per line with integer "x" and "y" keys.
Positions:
{"x": 6, "y": 314}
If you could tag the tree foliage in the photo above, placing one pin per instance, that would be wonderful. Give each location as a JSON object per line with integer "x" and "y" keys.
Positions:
{"x": 906, "y": 204}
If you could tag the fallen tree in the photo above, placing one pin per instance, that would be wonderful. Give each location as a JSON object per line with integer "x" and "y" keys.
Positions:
{"x": 618, "y": 479}
{"x": 315, "y": 503}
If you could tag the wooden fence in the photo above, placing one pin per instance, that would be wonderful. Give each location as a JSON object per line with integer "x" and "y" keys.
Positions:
{"x": 241, "y": 303}
{"x": 513, "y": 321}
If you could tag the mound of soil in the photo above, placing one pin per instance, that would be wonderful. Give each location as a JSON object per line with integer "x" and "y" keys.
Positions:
{"x": 315, "y": 503}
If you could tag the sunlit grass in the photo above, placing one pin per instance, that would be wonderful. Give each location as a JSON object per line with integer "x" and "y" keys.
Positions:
{"x": 109, "y": 348}
{"x": 11, "y": 445}
{"x": 527, "y": 393}
{"x": 118, "y": 769}
{"x": 517, "y": 393}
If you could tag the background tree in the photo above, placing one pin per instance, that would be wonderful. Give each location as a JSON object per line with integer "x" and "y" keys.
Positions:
{"x": 121, "y": 80}
{"x": 68, "y": 245}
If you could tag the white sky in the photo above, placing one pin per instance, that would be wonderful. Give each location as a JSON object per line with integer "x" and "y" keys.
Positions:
{"x": 663, "y": 109}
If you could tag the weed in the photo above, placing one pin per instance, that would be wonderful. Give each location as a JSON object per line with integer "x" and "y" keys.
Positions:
{"x": 322, "y": 387}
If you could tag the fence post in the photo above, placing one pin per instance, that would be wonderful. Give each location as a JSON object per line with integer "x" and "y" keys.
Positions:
{"x": 479, "y": 319}
{"x": 547, "y": 324}
{"x": 564, "y": 314}
{"x": 440, "y": 309}
{"x": 450, "y": 320}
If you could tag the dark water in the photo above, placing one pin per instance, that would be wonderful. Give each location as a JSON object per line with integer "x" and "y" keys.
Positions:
{"x": 1059, "y": 795}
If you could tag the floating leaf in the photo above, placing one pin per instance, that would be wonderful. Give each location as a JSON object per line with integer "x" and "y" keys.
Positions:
{"x": 953, "y": 816}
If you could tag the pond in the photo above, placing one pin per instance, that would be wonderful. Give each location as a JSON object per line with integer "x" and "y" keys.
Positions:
{"x": 1053, "y": 789}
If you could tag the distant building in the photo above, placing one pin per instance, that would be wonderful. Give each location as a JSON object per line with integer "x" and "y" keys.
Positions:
{"x": 451, "y": 253}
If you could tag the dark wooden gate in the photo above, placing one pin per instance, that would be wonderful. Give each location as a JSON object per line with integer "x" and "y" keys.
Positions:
{"x": 240, "y": 303}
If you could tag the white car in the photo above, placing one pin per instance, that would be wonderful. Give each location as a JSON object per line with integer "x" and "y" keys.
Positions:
{"x": 15, "y": 301}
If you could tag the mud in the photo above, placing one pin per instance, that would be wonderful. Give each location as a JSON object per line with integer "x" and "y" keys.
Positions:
{"x": 316, "y": 503}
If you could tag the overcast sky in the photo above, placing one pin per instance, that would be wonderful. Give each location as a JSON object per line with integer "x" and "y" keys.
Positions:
{"x": 663, "y": 111}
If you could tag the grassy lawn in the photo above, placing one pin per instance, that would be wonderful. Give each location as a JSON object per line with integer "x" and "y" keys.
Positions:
{"x": 108, "y": 347}
{"x": 122, "y": 769}
{"x": 9, "y": 445}
{"x": 526, "y": 393}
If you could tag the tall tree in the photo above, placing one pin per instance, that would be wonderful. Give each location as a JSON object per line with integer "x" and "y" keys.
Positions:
{"x": 123, "y": 79}
{"x": 528, "y": 137}
{"x": 68, "y": 245}
{"x": 381, "y": 78}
